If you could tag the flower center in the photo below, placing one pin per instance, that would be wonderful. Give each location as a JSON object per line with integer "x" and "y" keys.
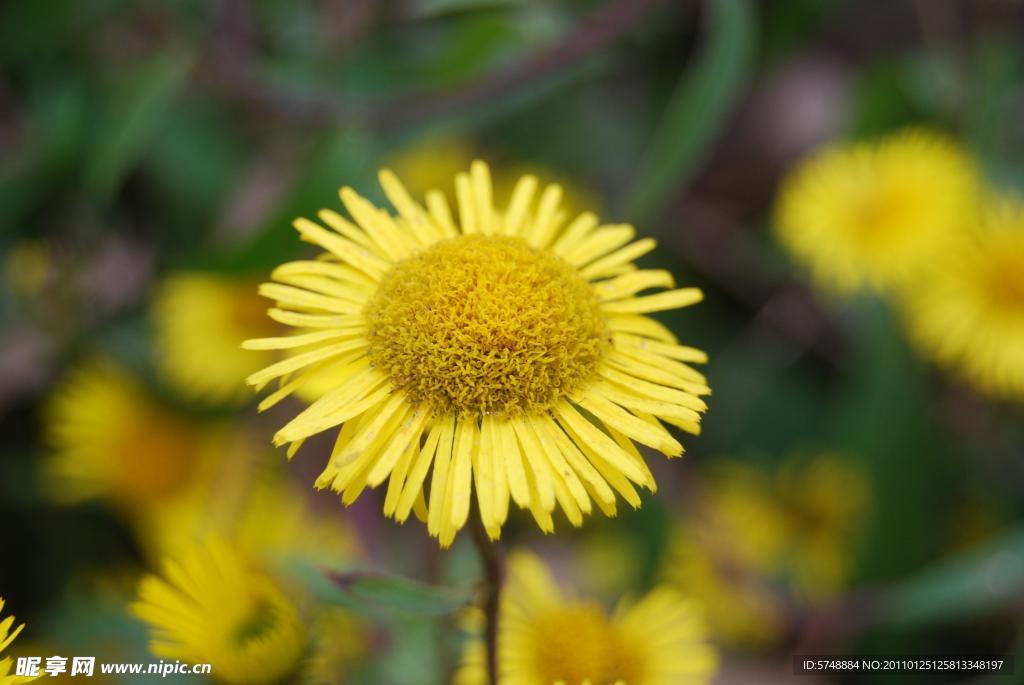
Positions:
{"x": 257, "y": 623}
{"x": 485, "y": 325}
{"x": 155, "y": 459}
{"x": 577, "y": 644}
{"x": 1006, "y": 283}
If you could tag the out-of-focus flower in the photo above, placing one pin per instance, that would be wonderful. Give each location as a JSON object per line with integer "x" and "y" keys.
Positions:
{"x": 763, "y": 540}
{"x": 736, "y": 603}
{"x": 28, "y": 268}
{"x": 112, "y": 440}
{"x": 266, "y": 515}
{"x": 7, "y": 635}
{"x": 216, "y": 606}
{"x": 967, "y": 311}
{"x": 337, "y": 640}
{"x": 201, "y": 320}
{"x": 516, "y": 344}
{"x": 433, "y": 162}
{"x": 876, "y": 213}
{"x": 545, "y": 637}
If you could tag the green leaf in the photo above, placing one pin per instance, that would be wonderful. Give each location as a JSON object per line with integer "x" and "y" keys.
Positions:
{"x": 882, "y": 419}
{"x": 698, "y": 109}
{"x": 376, "y": 592}
{"x": 424, "y": 9}
{"x": 978, "y": 582}
{"x": 338, "y": 158}
{"x": 133, "y": 124}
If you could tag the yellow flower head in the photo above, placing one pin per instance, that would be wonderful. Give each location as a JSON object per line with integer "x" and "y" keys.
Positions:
{"x": 7, "y": 636}
{"x": 875, "y": 213}
{"x": 214, "y": 606}
{"x": 110, "y": 439}
{"x": 759, "y": 532}
{"x": 967, "y": 312}
{"x": 200, "y": 322}
{"x": 433, "y": 161}
{"x": 545, "y": 638}
{"x": 266, "y": 515}
{"x": 506, "y": 351}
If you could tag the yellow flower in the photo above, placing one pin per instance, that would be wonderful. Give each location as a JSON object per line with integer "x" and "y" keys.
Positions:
{"x": 7, "y": 636}
{"x": 110, "y": 439}
{"x": 876, "y": 213}
{"x": 758, "y": 532}
{"x": 825, "y": 503}
{"x": 736, "y": 603}
{"x": 337, "y": 640}
{"x": 432, "y": 162}
{"x": 517, "y": 345}
{"x": 215, "y": 606}
{"x": 266, "y": 515}
{"x": 968, "y": 311}
{"x": 545, "y": 638}
{"x": 200, "y": 322}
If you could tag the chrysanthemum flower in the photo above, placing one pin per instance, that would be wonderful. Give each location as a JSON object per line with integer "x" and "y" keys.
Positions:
{"x": 757, "y": 532}
{"x": 505, "y": 351}
{"x": 200, "y": 322}
{"x": 7, "y": 635}
{"x": 214, "y": 606}
{"x": 968, "y": 311}
{"x": 545, "y": 638}
{"x": 875, "y": 213}
{"x": 110, "y": 439}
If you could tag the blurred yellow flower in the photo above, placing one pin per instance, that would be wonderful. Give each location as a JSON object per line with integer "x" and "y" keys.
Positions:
{"x": 434, "y": 161}
{"x": 28, "y": 267}
{"x": 200, "y": 321}
{"x": 762, "y": 540}
{"x": 545, "y": 638}
{"x": 518, "y": 346}
{"x": 266, "y": 514}
{"x": 967, "y": 313}
{"x": 216, "y": 606}
{"x": 111, "y": 439}
{"x": 337, "y": 640}
{"x": 7, "y": 636}
{"x": 875, "y": 213}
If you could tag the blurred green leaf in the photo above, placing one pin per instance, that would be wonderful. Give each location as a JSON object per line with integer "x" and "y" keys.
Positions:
{"x": 885, "y": 99}
{"x": 882, "y": 419}
{"x": 434, "y": 8}
{"x": 978, "y": 582}
{"x": 413, "y": 650}
{"x": 375, "y": 592}
{"x": 58, "y": 110}
{"x": 133, "y": 124}
{"x": 338, "y": 158}
{"x": 698, "y": 109}
{"x": 993, "y": 124}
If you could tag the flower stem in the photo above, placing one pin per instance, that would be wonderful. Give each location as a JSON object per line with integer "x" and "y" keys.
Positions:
{"x": 493, "y": 563}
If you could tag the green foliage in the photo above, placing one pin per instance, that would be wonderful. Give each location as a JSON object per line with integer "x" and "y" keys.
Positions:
{"x": 132, "y": 123}
{"x": 698, "y": 108}
{"x": 979, "y": 582}
{"x": 377, "y": 593}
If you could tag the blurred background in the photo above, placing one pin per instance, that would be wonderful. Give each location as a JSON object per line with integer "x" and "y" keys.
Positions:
{"x": 864, "y": 500}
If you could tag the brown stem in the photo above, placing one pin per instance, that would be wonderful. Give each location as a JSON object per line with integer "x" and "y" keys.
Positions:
{"x": 491, "y": 558}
